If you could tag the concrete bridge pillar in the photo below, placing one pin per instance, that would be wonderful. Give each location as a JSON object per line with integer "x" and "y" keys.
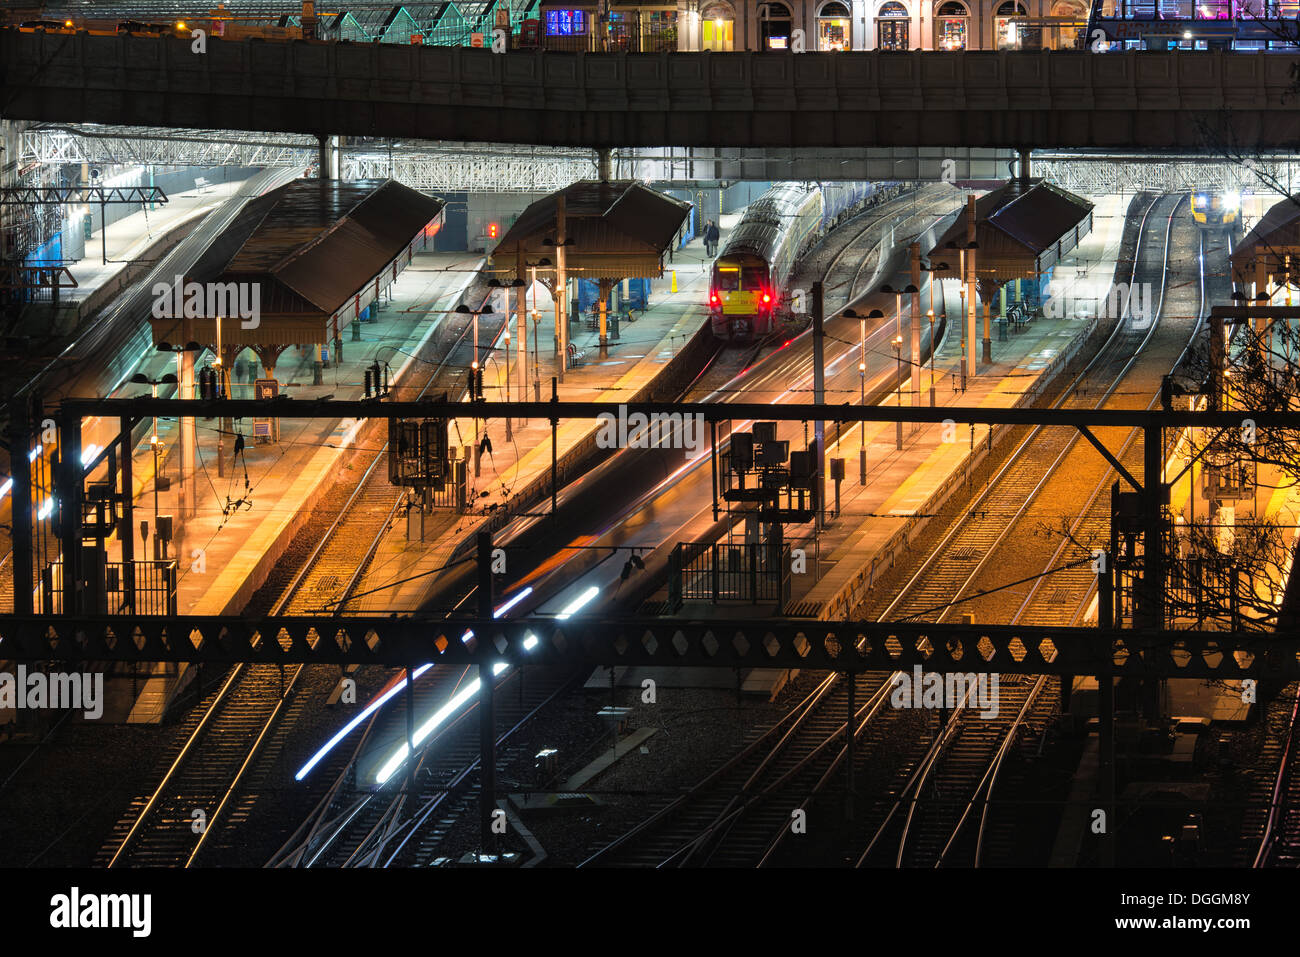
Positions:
{"x": 327, "y": 155}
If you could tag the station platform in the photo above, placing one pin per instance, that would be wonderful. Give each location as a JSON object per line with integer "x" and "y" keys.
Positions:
{"x": 112, "y": 259}
{"x": 244, "y": 515}
{"x": 240, "y": 515}
{"x": 243, "y": 519}
{"x": 878, "y": 520}
{"x": 125, "y": 239}
{"x": 632, "y": 362}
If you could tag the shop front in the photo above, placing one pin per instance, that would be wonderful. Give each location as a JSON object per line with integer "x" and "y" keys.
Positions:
{"x": 892, "y": 23}
{"x": 833, "y": 26}
{"x": 951, "y": 26}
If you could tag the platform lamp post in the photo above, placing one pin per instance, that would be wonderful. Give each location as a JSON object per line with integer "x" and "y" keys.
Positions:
{"x": 141, "y": 379}
{"x": 465, "y": 310}
{"x": 535, "y": 315}
{"x": 961, "y": 277}
{"x": 506, "y": 346}
{"x": 898, "y": 355}
{"x": 914, "y": 333}
{"x": 930, "y": 315}
{"x": 185, "y": 356}
{"x": 898, "y": 306}
{"x": 537, "y": 378}
{"x": 515, "y": 283}
{"x": 908, "y": 290}
{"x": 862, "y": 376}
{"x": 475, "y": 364}
{"x": 933, "y": 268}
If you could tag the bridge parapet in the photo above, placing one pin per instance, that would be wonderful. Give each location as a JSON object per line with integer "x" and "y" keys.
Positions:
{"x": 1045, "y": 99}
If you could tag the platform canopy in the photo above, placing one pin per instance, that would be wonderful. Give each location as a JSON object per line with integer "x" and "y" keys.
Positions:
{"x": 311, "y": 254}
{"x": 1022, "y": 229}
{"x": 619, "y": 229}
{"x": 1272, "y": 249}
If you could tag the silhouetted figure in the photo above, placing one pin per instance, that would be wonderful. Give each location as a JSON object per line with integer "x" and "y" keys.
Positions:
{"x": 711, "y": 236}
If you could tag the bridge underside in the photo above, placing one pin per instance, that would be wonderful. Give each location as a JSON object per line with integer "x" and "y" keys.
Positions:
{"x": 487, "y": 167}
{"x": 1181, "y": 100}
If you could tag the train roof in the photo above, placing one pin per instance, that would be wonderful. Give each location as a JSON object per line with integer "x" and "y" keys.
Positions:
{"x": 766, "y": 218}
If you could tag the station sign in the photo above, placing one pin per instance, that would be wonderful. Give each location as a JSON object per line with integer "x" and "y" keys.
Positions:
{"x": 264, "y": 428}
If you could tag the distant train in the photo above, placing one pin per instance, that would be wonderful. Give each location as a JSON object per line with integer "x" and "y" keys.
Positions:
{"x": 1215, "y": 211}
{"x": 746, "y": 292}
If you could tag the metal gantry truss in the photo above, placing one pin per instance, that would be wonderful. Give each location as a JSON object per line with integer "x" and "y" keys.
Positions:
{"x": 488, "y": 167}
{"x": 847, "y": 646}
{"x": 1130, "y": 173}
{"x": 60, "y": 195}
{"x": 457, "y": 167}
{"x": 151, "y": 146}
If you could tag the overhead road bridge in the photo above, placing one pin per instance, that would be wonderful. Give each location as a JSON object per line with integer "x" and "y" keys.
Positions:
{"x": 1048, "y": 99}
{"x": 485, "y": 167}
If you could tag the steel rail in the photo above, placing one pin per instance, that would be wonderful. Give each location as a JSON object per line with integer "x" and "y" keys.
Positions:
{"x": 930, "y": 761}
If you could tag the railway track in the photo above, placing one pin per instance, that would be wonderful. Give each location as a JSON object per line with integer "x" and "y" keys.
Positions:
{"x": 210, "y": 783}
{"x": 692, "y": 829}
{"x": 1276, "y": 823}
{"x": 684, "y": 833}
{"x": 854, "y": 269}
{"x": 411, "y": 820}
{"x": 962, "y": 766}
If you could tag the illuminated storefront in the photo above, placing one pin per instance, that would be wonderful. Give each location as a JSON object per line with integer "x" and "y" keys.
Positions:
{"x": 833, "y": 26}
{"x": 1006, "y": 30}
{"x": 642, "y": 28}
{"x": 717, "y": 28}
{"x": 567, "y": 23}
{"x": 1067, "y": 28}
{"x": 950, "y": 26}
{"x": 569, "y": 26}
{"x": 892, "y": 22}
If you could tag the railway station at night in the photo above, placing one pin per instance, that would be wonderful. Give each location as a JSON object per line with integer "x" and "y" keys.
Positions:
{"x": 514, "y": 435}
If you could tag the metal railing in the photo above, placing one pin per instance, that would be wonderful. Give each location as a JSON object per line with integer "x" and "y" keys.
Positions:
{"x": 719, "y": 572}
{"x": 142, "y": 587}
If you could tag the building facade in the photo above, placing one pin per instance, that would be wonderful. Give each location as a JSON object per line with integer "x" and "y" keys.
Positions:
{"x": 817, "y": 25}
{"x": 826, "y": 25}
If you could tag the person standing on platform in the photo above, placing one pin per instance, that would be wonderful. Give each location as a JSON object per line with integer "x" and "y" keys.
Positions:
{"x": 711, "y": 236}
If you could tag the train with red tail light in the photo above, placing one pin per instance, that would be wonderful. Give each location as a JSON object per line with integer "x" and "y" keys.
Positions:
{"x": 747, "y": 294}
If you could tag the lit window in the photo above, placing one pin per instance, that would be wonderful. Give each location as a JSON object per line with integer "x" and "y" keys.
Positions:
{"x": 566, "y": 23}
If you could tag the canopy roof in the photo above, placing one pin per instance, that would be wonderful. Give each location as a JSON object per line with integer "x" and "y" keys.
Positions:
{"x": 1272, "y": 246}
{"x": 310, "y": 247}
{"x": 1022, "y": 228}
{"x": 613, "y": 230}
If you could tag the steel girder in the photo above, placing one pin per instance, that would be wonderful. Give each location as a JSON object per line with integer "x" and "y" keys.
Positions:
{"x": 59, "y": 195}
{"x": 641, "y": 642}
